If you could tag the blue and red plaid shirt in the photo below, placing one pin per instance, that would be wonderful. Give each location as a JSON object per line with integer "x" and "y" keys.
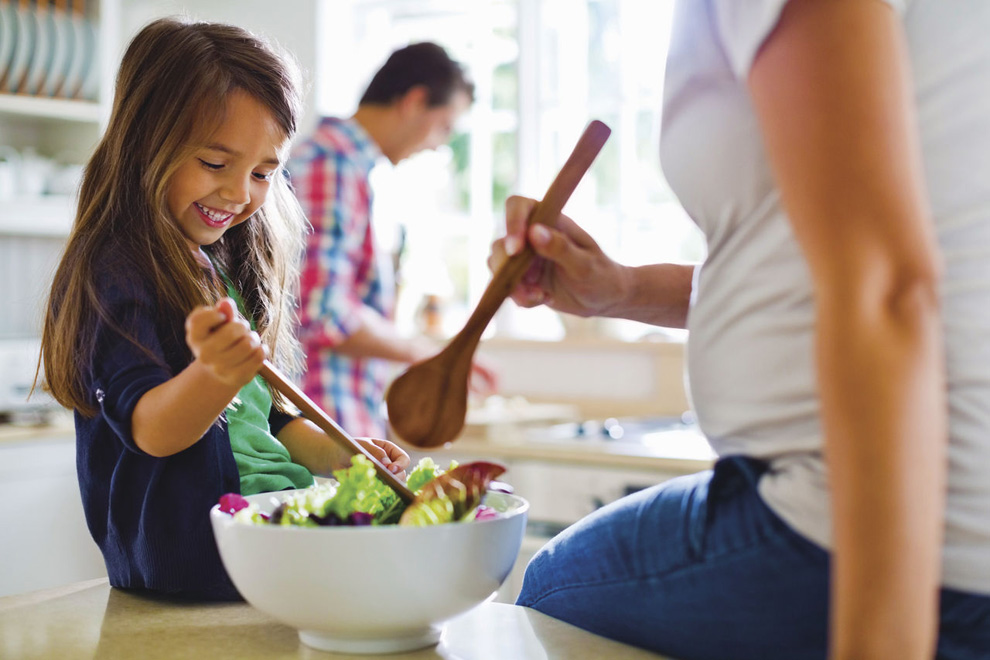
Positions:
{"x": 342, "y": 272}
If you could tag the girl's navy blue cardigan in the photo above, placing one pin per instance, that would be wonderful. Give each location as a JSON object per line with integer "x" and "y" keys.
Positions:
{"x": 150, "y": 516}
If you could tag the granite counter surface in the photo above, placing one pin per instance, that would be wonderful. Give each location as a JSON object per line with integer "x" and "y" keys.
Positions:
{"x": 91, "y": 620}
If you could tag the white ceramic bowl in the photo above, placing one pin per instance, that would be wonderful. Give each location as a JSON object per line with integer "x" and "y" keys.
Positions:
{"x": 380, "y": 589}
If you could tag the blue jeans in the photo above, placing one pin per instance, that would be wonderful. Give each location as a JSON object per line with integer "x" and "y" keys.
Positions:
{"x": 699, "y": 568}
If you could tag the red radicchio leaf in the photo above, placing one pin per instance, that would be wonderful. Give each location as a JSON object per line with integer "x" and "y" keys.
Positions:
{"x": 232, "y": 503}
{"x": 451, "y": 496}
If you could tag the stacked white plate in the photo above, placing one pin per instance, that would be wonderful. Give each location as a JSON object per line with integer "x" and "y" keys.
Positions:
{"x": 47, "y": 50}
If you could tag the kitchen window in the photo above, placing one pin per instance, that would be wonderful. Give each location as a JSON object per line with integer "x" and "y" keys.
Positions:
{"x": 542, "y": 70}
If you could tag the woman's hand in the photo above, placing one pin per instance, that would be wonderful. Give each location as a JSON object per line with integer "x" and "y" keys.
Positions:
{"x": 570, "y": 274}
{"x": 223, "y": 342}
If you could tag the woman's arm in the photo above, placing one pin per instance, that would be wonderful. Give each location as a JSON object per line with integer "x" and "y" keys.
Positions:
{"x": 572, "y": 274}
{"x": 833, "y": 92}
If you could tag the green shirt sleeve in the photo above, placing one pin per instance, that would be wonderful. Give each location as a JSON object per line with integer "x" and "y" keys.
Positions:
{"x": 263, "y": 463}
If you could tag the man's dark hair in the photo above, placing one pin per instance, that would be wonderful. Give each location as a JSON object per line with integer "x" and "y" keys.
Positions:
{"x": 423, "y": 64}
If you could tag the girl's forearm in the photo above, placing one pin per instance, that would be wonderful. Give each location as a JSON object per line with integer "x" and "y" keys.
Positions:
{"x": 310, "y": 447}
{"x": 174, "y": 415}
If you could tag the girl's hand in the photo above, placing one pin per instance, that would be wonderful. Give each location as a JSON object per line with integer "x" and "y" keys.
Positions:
{"x": 387, "y": 453}
{"x": 571, "y": 272}
{"x": 223, "y": 343}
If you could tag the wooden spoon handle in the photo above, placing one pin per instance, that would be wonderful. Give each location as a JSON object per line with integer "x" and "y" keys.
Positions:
{"x": 545, "y": 212}
{"x": 316, "y": 415}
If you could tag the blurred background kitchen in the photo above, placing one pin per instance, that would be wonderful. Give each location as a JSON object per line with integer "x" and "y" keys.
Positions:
{"x": 589, "y": 410}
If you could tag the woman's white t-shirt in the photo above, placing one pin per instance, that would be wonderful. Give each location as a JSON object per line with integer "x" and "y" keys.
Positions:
{"x": 750, "y": 350}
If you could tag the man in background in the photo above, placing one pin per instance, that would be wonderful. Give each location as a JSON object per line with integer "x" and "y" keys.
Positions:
{"x": 347, "y": 297}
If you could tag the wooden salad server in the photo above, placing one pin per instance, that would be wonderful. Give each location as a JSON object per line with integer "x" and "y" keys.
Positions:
{"x": 427, "y": 403}
{"x": 316, "y": 415}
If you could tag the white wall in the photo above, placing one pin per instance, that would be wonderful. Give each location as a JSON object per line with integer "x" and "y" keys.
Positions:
{"x": 293, "y": 24}
{"x": 601, "y": 377}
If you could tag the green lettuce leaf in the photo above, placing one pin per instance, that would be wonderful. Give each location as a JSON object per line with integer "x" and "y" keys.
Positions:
{"x": 358, "y": 489}
{"x": 425, "y": 471}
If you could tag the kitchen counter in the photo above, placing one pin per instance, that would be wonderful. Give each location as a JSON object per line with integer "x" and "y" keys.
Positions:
{"x": 93, "y": 621}
{"x": 683, "y": 451}
{"x": 56, "y": 425}
{"x": 678, "y": 451}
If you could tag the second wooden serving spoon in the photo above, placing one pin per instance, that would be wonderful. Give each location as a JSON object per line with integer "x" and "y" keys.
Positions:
{"x": 427, "y": 404}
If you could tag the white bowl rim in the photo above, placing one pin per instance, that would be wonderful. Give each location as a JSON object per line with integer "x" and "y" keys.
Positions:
{"x": 224, "y": 518}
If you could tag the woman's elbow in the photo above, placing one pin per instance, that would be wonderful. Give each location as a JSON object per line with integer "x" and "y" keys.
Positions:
{"x": 882, "y": 287}
{"x": 914, "y": 288}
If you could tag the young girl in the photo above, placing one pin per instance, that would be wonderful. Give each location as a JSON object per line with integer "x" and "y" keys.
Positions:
{"x": 174, "y": 287}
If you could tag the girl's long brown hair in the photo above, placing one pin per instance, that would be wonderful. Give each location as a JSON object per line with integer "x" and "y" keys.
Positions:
{"x": 170, "y": 95}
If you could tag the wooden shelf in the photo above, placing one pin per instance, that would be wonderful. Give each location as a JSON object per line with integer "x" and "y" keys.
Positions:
{"x": 46, "y": 108}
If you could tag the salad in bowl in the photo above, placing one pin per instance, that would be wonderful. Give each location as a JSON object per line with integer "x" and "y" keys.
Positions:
{"x": 356, "y": 570}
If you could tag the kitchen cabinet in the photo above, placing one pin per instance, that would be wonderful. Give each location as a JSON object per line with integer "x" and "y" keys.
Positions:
{"x": 44, "y": 142}
{"x": 45, "y": 138}
{"x": 45, "y": 131}
{"x": 566, "y": 478}
{"x": 45, "y": 539}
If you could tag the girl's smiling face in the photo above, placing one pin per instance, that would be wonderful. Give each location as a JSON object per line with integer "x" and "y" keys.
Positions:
{"x": 227, "y": 179}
